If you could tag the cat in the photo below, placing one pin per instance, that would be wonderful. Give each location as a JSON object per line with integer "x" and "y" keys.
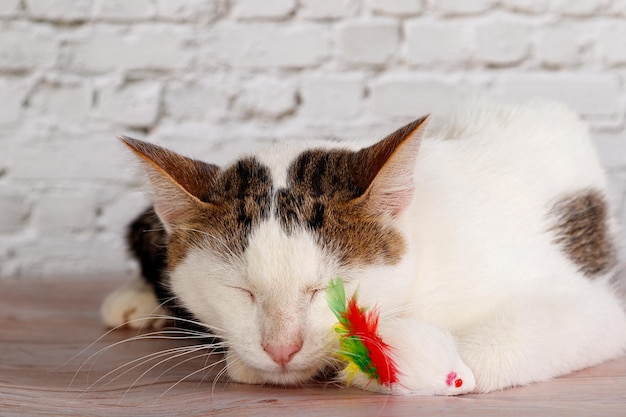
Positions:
{"x": 484, "y": 238}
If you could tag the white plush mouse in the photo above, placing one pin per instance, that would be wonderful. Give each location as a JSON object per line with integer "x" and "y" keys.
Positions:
{"x": 396, "y": 355}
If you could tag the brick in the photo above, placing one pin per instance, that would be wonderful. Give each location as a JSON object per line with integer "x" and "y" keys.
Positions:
{"x": 82, "y": 256}
{"x": 611, "y": 43}
{"x": 13, "y": 93}
{"x": 59, "y": 10}
{"x": 250, "y": 9}
{"x": 37, "y": 48}
{"x": 210, "y": 142}
{"x": 92, "y": 157}
{"x": 462, "y": 7}
{"x": 328, "y": 9}
{"x": 9, "y": 7}
{"x": 222, "y": 77}
{"x": 197, "y": 100}
{"x": 581, "y": 7}
{"x": 107, "y": 48}
{"x": 587, "y": 93}
{"x": 181, "y": 10}
{"x": 502, "y": 42}
{"x": 58, "y": 102}
{"x": 370, "y": 42}
{"x": 621, "y": 239}
{"x": 619, "y": 8}
{"x": 526, "y": 6}
{"x": 63, "y": 212}
{"x": 123, "y": 9}
{"x": 560, "y": 46}
{"x": 397, "y": 7}
{"x": 116, "y": 215}
{"x": 134, "y": 105}
{"x": 612, "y": 149}
{"x": 258, "y": 45}
{"x": 332, "y": 97}
{"x": 432, "y": 42}
{"x": 15, "y": 210}
{"x": 8, "y": 265}
{"x": 267, "y": 98}
{"x": 410, "y": 96}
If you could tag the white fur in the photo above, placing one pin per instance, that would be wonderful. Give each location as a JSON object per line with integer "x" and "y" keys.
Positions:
{"x": 285, "y": 274}
{"x": 481, "y": 273}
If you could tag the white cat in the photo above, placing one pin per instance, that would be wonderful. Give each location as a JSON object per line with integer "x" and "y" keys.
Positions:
{"x": 489, "y": 252}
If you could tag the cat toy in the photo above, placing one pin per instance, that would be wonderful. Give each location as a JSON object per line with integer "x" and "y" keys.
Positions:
{"x": 360, "y": 345}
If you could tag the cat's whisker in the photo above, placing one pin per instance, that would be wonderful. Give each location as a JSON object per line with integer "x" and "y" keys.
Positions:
{"x": 398, "y": 311}
{"x": 138, "y": 362}
{"x": 335, "y": 366}
{"x": 225, "y": 370}
{"x": 154, "y": 335}
{"x": 163, "y": 361}
{"x": 210, "y": 352}
{"x": 160, "y": 353}
{"x": 202, "y": 369}
{"x": 205, "y": 366}
{"x": 172, "y": 334}
{"x": 100, "y": 351}
{"x": 160, "y": 361}
{"x": 155, "y": 229}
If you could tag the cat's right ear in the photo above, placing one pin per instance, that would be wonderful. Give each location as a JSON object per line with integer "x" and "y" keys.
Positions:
{"x": 387, "y": 169}
{"x": 178, "y": 183}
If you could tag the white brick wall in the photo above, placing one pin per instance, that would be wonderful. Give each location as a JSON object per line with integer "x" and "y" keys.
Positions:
{"x": 212, "y": 78}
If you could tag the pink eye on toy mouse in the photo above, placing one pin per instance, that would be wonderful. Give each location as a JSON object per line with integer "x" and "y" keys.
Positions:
{"x": 452, "y": 379}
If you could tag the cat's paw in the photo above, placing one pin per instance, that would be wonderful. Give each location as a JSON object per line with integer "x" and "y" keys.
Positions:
{"x": 426, "y": 358}
{"x": 133, "y": 305}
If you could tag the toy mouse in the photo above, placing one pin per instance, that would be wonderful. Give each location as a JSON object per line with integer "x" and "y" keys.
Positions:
{"x": 376, "y": 364}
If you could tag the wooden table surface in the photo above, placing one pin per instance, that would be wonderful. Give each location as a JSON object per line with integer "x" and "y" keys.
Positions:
{"x": 54, "y": 362}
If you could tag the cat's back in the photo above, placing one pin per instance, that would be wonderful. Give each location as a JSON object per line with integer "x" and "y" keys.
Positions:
{"x": 506, "y": 195}
{"x": 542, "y": 144}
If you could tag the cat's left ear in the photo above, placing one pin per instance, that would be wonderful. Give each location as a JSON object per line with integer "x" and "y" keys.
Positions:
{"x": 387, "y": 169}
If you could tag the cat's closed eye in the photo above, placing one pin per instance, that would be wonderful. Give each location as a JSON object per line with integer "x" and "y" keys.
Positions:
{"x": 315, "y": 292}
{"x": 245, "y": 292}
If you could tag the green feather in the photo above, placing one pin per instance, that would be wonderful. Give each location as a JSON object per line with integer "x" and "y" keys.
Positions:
{"x": 355, "y": 351}
{"x": 351, "y": 348}
{"x": 336, "y": 298}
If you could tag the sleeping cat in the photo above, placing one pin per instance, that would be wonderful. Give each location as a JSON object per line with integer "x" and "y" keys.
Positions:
{"x": 489, "y": 252}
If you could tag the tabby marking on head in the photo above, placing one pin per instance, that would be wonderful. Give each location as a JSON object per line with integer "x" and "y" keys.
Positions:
{"x": 322, "y": 195}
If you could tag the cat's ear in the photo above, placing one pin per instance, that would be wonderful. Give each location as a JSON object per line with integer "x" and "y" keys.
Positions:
{"x": 178, "y": 183}
{"x": 387, "y": 169}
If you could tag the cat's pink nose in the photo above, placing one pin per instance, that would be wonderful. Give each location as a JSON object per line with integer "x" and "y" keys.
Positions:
{"x": 282, "y": 354}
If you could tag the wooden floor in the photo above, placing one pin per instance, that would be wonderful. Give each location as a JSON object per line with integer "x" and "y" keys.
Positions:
{"x": 54, "y": 363}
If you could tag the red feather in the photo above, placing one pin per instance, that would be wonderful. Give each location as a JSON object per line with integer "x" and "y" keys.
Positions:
{"x": 364, "y": 325}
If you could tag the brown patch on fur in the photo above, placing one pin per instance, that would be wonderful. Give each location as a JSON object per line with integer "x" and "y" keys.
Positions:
{"x": 583, "y": 233}
{"x": 344, "y": 196}
{"x": 322, "y": 194}
{"x": 201, "y": 203}
{"x": 239, "y": 200}
{"x": 361, "y": 237}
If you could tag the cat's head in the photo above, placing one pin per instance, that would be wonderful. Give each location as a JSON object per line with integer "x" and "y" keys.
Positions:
{"x": 252, "y": 246}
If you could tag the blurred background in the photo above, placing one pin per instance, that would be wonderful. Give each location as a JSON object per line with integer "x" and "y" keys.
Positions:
{"x": 213, "y": 78}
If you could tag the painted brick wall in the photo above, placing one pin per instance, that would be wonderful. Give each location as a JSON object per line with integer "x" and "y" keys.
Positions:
{"x": 212, "y": 78}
